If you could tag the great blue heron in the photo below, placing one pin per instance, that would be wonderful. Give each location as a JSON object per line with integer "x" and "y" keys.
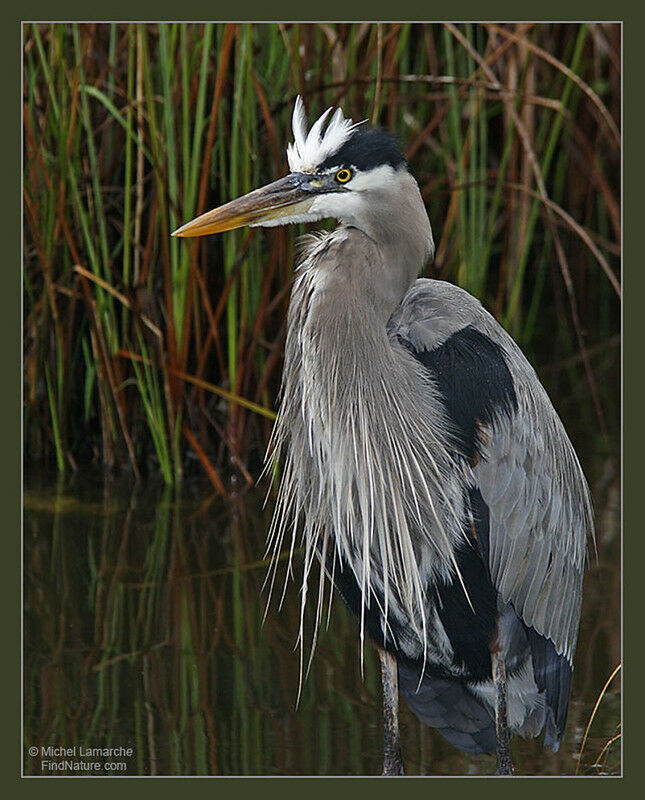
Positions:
{"x": 422, "y": 461}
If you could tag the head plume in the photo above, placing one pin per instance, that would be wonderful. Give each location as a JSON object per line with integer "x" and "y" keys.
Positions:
{"x": 309, "y": 149}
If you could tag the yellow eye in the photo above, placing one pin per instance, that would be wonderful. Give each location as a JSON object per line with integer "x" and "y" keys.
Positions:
{"x": 343, "y": 175}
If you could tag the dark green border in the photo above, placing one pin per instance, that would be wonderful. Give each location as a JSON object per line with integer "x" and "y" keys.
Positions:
{"x": 634, "y": 362}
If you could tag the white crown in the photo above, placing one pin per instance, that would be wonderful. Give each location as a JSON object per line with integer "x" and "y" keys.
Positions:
{"x": 311, "y": 149}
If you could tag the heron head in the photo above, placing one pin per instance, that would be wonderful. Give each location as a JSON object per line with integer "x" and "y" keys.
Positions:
{"x": 338, "y": 169}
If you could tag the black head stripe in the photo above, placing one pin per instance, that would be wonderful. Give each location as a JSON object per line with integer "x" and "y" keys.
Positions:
{"x": 365, "y": 149}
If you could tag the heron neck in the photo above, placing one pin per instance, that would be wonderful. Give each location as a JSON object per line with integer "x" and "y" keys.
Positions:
{"x": 397, "y": 221}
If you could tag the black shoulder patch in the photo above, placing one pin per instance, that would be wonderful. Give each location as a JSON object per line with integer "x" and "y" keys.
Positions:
{"x": 365, "y": 149}
{"x": 475, "y": 383}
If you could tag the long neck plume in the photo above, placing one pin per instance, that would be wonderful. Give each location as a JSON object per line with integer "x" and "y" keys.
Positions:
{"x": 361, "y": 477}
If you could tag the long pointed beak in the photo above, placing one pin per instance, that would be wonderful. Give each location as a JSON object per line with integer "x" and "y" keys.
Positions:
{"x": 285, "y": 197}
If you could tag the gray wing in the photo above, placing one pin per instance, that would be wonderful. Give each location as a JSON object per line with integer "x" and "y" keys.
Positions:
{"x": 525, "y": 467}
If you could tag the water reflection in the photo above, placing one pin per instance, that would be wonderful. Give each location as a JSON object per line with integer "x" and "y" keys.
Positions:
{"x": 143, "y": 628}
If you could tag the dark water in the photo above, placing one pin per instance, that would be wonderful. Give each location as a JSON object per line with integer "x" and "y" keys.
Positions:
{"x": 143, "y": 629}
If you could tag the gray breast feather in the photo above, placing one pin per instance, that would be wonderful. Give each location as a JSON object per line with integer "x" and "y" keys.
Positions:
{"x": 529, "y": 475}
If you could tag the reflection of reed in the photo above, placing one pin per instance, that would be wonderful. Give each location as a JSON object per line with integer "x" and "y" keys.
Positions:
{"x": 143, "y": 627}
{"x": 143, "y": 351}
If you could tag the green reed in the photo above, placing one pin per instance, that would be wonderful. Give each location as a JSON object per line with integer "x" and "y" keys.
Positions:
{"x": 142, "y": 350}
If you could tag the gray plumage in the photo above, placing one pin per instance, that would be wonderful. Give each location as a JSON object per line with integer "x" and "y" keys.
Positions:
{"x": 366, "y": 467}
{"x": 454, "y": 527}
{"x": 367, "y": 473}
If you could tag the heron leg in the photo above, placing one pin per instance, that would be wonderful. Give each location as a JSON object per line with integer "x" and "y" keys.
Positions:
{"x": 392, "y": 761}
{"x": 504, "y": 763}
